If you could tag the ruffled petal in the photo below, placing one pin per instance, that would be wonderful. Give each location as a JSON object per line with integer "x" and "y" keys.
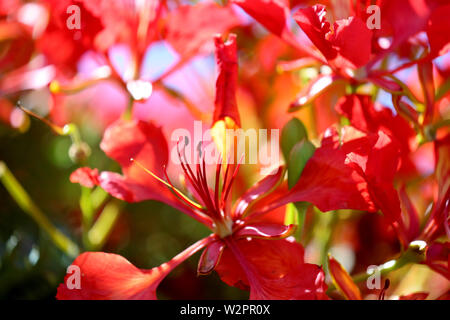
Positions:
{"x": 352, "y": 40}
{"x": 330, "y": 180}
{"x": 138, "y": 140}
{"x": 146, "y": 144}
{"x": 85, "y": 176}
{"x": 314, "y": 23}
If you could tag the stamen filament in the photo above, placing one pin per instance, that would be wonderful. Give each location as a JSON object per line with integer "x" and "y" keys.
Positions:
{"x": 169, "y": 185}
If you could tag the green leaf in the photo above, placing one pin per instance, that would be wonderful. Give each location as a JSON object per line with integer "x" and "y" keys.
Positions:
{"x": 293, "y": 132}
{"x": 298, "y": 158}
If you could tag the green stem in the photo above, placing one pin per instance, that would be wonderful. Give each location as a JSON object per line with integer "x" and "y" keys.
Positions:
{"x": 24, "y": 201}
{"x": 90, "y": 201}
{"x": 102, "y": 228}
{"x": 128, "y": 113}
{"x": 87, "y": 212}
{"x": 326, "y": 227}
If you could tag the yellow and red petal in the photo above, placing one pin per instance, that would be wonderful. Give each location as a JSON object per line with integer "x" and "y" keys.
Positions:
{"x": 342, "y": 280}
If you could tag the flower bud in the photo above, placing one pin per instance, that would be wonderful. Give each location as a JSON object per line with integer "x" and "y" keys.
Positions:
{"x": 79, "y": 152}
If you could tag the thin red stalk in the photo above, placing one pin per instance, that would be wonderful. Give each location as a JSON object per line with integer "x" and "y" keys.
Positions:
{"x": 188, "y": 171}
{"x": 187, "y": 253}
{"x": 177, "y": 193}
{"x": 205, "y": 192}
{"x": 225, "y": 182}
{"x": 216, "y": 188}
{"x": 231, "y": 182}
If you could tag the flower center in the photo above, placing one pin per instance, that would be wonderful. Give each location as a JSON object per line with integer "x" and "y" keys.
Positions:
{"x": 223, "y": 228}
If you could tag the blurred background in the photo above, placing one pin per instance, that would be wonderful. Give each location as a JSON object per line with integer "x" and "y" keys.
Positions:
{"x": 150, "y": 233}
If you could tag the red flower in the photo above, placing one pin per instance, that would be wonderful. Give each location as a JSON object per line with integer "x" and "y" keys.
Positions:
{"x": 231, "y": 231}
{"x": 351, "y": 172}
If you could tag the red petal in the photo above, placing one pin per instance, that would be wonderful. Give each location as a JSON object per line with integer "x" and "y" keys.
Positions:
{"x": 126, "y": 189}
{"x": 138, "y": 140}
{"x": 370, "y": 117}
{"x": 415, "y": 296}
{"x": 379, "y": 168}
{"x": 405, "y": 18}
{"x": 366, "y": 116}
{"x": 343, "y": 281}
{"x": 145, "y": 143}
{"x": 258, "y": 191}
{"x": 272, "y": 14}
{"x": 106, "y": 276}
{"x": 313, "y": 22}
{"x": 265, "y": 231}
{"x": 352, "y": 40}
{"x": 188, "y": 27}
{"x": 210, "y": 257}
{"x": 329, "y": 179}
{"x": 273, "y": 269}
{"x": 226, "y": 85}
{"x": 437, "y": 31}
{"x": 439, "y": 222}
{"x": 87, "y": 177}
